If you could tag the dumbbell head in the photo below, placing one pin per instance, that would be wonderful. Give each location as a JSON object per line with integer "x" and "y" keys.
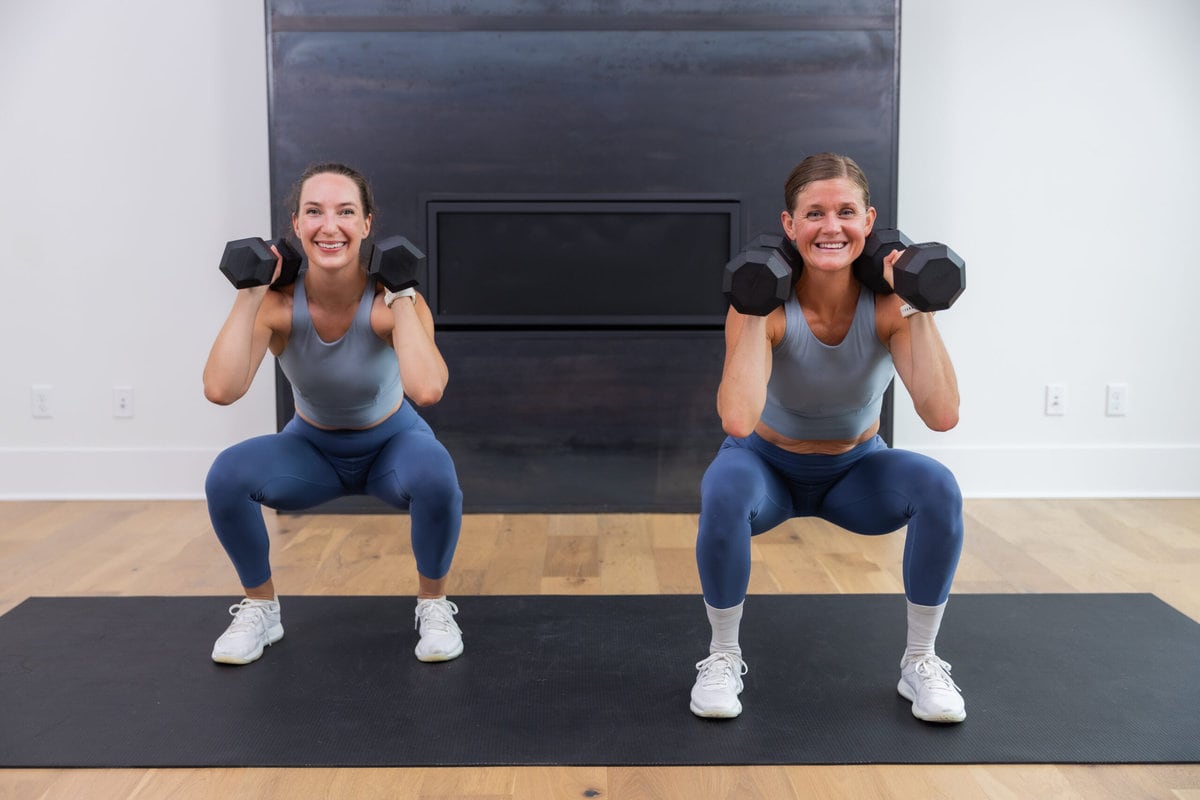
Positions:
{"x": 930, "y": 276}
{"x": 757, "y": 281}
{"x": 785, "y": 246}
{"x": 868, "y": 267}
{"x": 250, "y": 262}
{"x": 396, "y": 262}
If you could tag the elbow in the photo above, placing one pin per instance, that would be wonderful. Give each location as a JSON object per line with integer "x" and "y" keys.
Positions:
{"x": 424, "y": 384}
{"x": 944, "y": 421}
{"x": 219, "y": 395}
{"x": 425, "y": 396}
{"x": 738, "y": 419}
{"x": 738, "y": 427}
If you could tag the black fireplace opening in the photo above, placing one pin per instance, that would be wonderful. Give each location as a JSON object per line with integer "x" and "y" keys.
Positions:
{"x": 528, "y": 263}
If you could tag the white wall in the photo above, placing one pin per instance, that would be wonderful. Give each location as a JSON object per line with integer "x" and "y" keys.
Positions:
{"x": 1055, "y": 145}
{"x": 135, "y": 137}
{"x": 1052, "y": 144}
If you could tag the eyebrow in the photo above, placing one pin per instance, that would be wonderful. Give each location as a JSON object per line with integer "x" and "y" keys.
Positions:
{"x": 338, "y": 205}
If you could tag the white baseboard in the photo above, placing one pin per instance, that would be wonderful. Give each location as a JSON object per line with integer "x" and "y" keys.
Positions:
{"x": 1037, "y": 472}
{"x": 1148, "y": 471}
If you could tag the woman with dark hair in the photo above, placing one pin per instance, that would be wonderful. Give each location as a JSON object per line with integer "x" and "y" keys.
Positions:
{"x": 358, "y": 359}
{"x": 800, "y": 397}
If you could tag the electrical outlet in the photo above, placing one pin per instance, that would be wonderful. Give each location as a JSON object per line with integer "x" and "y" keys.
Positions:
{"x": 123, "y": 401}
{"x": 39, "y": 399}
{"x": 1056, "y": 399}
{"x": 1117, "y": 399}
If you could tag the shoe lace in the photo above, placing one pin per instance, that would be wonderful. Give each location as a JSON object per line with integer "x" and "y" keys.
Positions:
{"x": 436, "y": 616}
{"x": 248, "y": 616}
{"x": 935, "y": 673}
{"x": 717, "y": 670}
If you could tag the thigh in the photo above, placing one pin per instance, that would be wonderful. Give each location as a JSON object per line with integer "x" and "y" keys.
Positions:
{"x": 886, "y": 488}
{"x": 413, "y": 463}
{"x": 740, "y": 488}
{"x": 283, "y": 471}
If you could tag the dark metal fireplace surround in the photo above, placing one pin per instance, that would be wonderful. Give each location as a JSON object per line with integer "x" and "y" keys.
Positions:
{"x": 578, "y": 174}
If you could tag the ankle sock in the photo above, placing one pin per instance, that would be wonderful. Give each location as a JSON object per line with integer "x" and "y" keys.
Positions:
{"x": 725, "y": 623}
{"x": 923, "y": 625}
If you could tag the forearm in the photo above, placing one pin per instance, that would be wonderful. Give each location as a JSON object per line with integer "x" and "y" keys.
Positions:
{"x": 931, "y": 380}
{"x": 742, "y": 393}
{"x": 232, "y": 362}
{"x": 422, "y": 368}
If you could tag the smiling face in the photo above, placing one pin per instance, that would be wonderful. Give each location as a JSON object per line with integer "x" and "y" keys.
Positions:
{"x": 829, "y": 221}
{"x": 329, "y": 221}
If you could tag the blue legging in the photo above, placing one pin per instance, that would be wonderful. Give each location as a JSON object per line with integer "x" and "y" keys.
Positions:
{"x": 753, "y": 486}
{"x": 398, "y": 461}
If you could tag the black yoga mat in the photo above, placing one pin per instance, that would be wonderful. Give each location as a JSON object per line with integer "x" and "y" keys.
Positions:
{"x": 579, "y": 680}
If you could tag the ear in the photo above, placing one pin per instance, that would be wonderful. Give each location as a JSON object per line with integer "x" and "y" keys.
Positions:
{"x": 367, "y": 225}
{"x": 789, "y": 224}
{"x": 295, "y": 226}
{"x": 870, "y": 219}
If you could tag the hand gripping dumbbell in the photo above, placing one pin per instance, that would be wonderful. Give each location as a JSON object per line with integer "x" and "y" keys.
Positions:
{"x": 928, "y": 276}
{"x": 395, "y": 262}
{"x": 250, "y": 262}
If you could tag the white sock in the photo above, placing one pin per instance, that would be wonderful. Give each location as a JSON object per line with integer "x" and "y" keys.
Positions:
{"x": 725, "y": 623}
{"x": 923, "y": 624}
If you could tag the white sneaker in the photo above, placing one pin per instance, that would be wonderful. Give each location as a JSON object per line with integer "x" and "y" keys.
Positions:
{"x": 441, "y": 638}
{"x": 925, "y": 681}
{"x": 255, "y": 625}
{"x": 718, "y": 685}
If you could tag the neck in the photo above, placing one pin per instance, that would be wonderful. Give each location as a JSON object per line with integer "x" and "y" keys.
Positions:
{"x": 827, "y": 293}
{"x": 334, "y": 289}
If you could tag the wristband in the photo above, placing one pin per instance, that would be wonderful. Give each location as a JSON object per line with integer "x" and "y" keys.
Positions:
{"x": 907, "y": 310}
{"x": 389, "y": 297}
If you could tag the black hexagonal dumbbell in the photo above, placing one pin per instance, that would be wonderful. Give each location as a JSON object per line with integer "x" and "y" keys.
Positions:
{"x": 759, "y": 279}
{"x": 396, "y": 263}
{"x": 250, "y": 262}
{"x": 929, "y": 276}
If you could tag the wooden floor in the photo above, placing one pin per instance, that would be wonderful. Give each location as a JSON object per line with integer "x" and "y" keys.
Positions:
{"x": 155, "y": 548}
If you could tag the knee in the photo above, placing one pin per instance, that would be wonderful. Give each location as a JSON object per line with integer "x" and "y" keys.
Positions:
{"x": 934, "y": 488}
{"x": 439, "y": 489}
{"x": 451, "y": 496}
{"x": 941, "y": 506}
{"x": 726, "y": 489}
{"x": 223, "y": 476}
{"x": 724, "y": 518}
{"x": 945, "y": 490}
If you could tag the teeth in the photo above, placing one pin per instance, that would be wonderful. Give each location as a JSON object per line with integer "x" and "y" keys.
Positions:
{"x": 330, "y": 245}
{"x": 831, "y": 245}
